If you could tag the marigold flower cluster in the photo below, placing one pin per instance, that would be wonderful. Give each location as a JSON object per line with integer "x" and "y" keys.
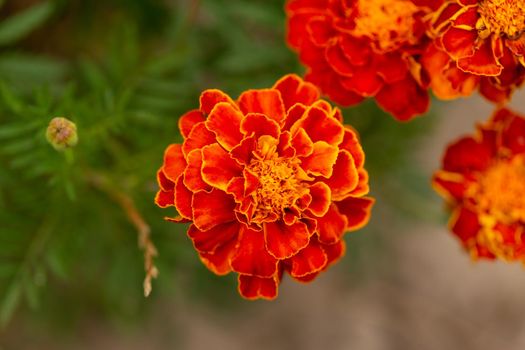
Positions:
{"x": 396, "y": 50}
{"x": 365, "y": 48}
{"x": 483, "y": 180}
{"x": 477, "y": 45}
{"x": 270, "y": 182}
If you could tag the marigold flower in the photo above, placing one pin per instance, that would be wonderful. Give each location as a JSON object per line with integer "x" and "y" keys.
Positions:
{"x": 483, "y": 181}
{"x": 364, "y": 48}
{"x": 270, "y": 183}
{"x": 479, "y": 44}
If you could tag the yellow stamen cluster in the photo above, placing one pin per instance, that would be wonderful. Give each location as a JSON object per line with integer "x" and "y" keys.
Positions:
{"x": 389, "y": 22}
{"x": 501, "y": 17}
{"x": 501, "y": 191}
{"x": 279, "y": 187}
{"x": 499, "y": 196}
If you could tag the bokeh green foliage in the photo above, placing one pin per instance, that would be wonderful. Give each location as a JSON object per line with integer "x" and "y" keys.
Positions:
{"x": 124, "y": 71}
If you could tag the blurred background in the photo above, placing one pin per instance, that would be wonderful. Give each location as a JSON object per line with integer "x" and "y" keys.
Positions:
{"x": 71, "y": 270}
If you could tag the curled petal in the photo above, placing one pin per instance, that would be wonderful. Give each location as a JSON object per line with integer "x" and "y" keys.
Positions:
{"x": 219, "y": 261}
{"x": 165, "y": 199}
{"x": 188, "y": 120}
{"x": 284, "y": 241}
{"x": 294, "y": 114}
{"x": 321, "y": 161}
{"x": 308, "y": 261}
{"x": 236, "y": 189}
{"x": 267, "y": 102}
{"x": 321, "y": 30}
{"x": 251, "y": 182}
{"x": 365, "y": 81}
{"x": 193, "y": 172}
{"x": 459, "y": 43}
{"x": 199, "y": 137}
{"x": 482, "y": 62}
{"x": 225, "y": 122}
{"x": 446, "y": 80}
{"x": 334, "y": 252}
{"x": 493, "y": 92}
{"x": 218, "y": 168}
{"x": 351, "y": 144}
{"x": 356, "y": 210}
{"x": 294, "y": 90}
{"x": 243, "y": 152}
{"x": 465, "y": 224}
{"x": 452, "y": 185}
{"x": 356, "y": 50}
{"x": 338, "y": 60}
{"x": 467, "y": 155}
{"x": 177, "y": 219}
{"x": 320, "y": 126}
{"x": 165, "y": 184}
{"x": 362, "y": 187}
{"x": 285, "y": 148}
{"x": 183, "y": 198}
{"x": 256, "y": 124}
{"x": 210, "y": 98}
{"x": 513, "y": 137}
{"x": 174, "y": 162}
{"x": 517, "y": 46}
{"x": 252, "y": 258}
{"x": 209, "y": 241}
{"x": 212, "y": 208}
{"x": 404, "y": 99}
{"x": 331, "y": 227}
{"x": 297, "y": 25}
{"x": 392, "y": 67}
{"x": 302, "y": 143}
{"x": 345, "y": 177}
{"x": 252, "y": 287}
{"x": 331, "y": 85}
{"x": 321, "y": 198}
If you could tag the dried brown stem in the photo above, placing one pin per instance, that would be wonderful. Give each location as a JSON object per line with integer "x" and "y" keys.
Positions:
{"x": 144, "y": 232}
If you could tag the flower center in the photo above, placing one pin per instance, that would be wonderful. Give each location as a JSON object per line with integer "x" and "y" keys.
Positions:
{"x": 501, "y": 194}
{"x": 502, "y": 17}
{"x": 279, "y": 187}
{"x": 389, "y": 22}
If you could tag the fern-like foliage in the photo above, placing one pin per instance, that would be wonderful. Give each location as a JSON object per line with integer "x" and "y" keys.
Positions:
{"x": 68, "y": 221}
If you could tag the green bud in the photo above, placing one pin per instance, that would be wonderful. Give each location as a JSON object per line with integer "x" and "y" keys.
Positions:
{"x": 62, "y": 133}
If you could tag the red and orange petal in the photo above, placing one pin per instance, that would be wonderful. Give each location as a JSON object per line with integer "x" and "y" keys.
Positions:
{"x": 270, "y": 183}
{"x": 471, "y": 49}
{"x": 482, "y": 182}
{"x": 364, "y": 48}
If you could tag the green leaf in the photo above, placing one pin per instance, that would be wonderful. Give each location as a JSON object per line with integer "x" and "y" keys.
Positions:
{"x": 7, "y": 269}
{"x": 57, "y": 266}
{"x": 18, "y": 145}
{"x": 19, "y": 25}
{"x": 9, "y": 99}
{"x": 9, "y": 304}
{"x": 29, "y": 70}
{"x": 18, "y": 128}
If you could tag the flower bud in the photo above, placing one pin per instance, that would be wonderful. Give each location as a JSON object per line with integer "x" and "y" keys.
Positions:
{"x": 61, "y": 133}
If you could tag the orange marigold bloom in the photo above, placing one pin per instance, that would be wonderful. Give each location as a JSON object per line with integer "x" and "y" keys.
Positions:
{"x": 269, "y": 182}
{"x": 364, "y": 48}
{"x": 483, "y": 179}
{"x": 479, "y": 44}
